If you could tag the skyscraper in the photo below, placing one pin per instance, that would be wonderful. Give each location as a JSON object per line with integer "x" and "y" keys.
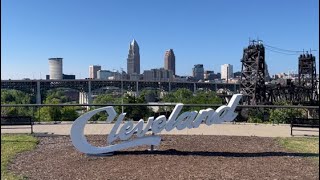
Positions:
{"x": 226, "y": 71}
{"x": 133, "y": 61}
{"x": 93, "y": 69}
{"x": 170, "y": 61}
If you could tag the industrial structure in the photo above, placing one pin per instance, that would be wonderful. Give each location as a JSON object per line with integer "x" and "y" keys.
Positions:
{"x": 256, "y": 91}
{"x": 55, "y": 68}
{"x": 252, "y": 82}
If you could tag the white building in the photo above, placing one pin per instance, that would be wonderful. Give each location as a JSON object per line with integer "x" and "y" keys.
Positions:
{"x": 104, "y": 74}
{"x": 226, "y": 71}
{"x": 93, "y": 69}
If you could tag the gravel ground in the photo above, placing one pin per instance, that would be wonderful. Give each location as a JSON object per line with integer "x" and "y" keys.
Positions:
{"x": 178, "y": 157}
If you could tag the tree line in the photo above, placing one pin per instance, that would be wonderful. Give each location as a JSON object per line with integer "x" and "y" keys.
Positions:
{"x": 185, "y": 96}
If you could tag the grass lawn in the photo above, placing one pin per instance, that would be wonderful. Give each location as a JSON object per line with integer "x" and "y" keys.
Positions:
{"x": 10, "y": 146}
{"x": 302, "y": 145}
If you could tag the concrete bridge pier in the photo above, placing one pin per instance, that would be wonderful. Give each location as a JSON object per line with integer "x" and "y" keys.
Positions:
{"x": 89, "y": 93}
{"x": 38, "y": 96}
{"x": 137, "y": 88}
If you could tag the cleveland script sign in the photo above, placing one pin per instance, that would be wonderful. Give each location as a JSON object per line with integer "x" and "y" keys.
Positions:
{"x": 191, "y": 119}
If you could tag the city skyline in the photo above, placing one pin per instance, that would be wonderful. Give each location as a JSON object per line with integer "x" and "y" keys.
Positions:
{"x": 195, "y": 31}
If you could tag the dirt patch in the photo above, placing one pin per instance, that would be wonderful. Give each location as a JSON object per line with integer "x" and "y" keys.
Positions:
{"x": 178, "y": 157}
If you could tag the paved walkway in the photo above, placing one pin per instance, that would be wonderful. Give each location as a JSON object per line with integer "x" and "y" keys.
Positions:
{"x": 262, "y": 130}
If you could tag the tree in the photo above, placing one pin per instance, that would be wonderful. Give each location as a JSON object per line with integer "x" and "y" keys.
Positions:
{"x": 283, "y": 115}
{"x": 150, "y": 95}
{"x": 69, "y": 113}
{"x": 57, "y": 113}
{"x": 15, "y": 97}
{"x": 136, "y": 112}
{"x": 186, "y": 96}
{"x": 205, "y": 97}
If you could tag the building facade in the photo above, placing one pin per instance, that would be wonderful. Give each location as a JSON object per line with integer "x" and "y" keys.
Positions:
{"x": 170, "y": 61}
{"x": 93, "y": 70}
{"x": 226, "y": 71}
{"x": 104, "y": 74}
{"x": 198, "y": 72}
{"x": 208, "y": 75}
{"x": 158, "y": 75}
{"x": 133, "y": 60}
{"x": 55, "y": 68}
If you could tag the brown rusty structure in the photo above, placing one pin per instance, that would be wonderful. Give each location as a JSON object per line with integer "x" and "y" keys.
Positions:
{"x": 252, "y": 82}
{"x": 257, "y": 92}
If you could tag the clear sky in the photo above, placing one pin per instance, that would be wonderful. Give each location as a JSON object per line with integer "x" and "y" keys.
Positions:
{"x": 208, "y": 32}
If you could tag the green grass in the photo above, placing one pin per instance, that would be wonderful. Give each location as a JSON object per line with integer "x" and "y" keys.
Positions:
{"x": 10, "y": 146}
{"x": 302, "y": 145}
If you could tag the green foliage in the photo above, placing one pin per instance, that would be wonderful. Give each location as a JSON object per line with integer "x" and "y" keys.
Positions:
{"x": 255, "y": 116}
{"x": 283, "y": 115}
{"x": 133, "y": 112}
{"x": 136, "y": 112}
{"x": 104, "y": 99}
{"x": 186, "y": 96}
{"x": 57, "y": 113}
{"x": 69, "y": 113}
{"x": 205, "y": 97}
{"x": 181, "y": 95}
{"x": 56, "y": 95}
{"x": 15, "y": 97}
{"x": 12, "y": 145}
{"x": 149, "y": 95}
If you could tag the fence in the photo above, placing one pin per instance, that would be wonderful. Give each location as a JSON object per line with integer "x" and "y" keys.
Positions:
{"x": 246, "y": 113}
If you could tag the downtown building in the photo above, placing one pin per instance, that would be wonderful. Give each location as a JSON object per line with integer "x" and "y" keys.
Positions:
{"x": 170, "y": 61}
{"x": 133, "y": 60}
{"x": 226, "y": 71}
{"x": 158, "y": 75}
{"x": 198, "y": 72}
{"x": 93, "y": 70}
{"x": 104, "y": 74}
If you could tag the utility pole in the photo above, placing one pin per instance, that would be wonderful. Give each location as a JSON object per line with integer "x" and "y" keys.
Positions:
{"x": 121, "y": 89}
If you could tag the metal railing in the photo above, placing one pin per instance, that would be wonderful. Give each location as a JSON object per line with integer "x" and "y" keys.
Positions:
{"x": 262, "y": 112}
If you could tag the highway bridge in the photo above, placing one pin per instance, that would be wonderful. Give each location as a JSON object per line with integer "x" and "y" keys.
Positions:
{"x": 39, "y": 87}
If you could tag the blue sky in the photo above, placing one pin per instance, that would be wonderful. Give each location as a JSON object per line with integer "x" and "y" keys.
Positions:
{"x": 209, "y": 32}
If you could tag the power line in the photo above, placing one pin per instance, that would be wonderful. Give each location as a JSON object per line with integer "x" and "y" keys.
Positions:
{"x": 280, "y": 49}
{"x": 281, "y": 52}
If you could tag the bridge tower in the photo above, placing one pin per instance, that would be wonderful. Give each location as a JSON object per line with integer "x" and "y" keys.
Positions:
{"x": 307, "y": 76}
{"x": 252, "y": 82}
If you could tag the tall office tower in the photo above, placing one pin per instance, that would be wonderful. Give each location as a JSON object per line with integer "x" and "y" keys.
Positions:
{"x": 170, "y": 61}
{"x": 198, "y": 71}
{"x": 93, "y": 69}
{"x": 133, "y": 61}
{"x": 226, "y": 71}
{"x": 55, "y": 68}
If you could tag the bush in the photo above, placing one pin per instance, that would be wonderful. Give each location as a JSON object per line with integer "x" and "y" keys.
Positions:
{"x": 283, "y": 116}
{"x": 69, "y": 114}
